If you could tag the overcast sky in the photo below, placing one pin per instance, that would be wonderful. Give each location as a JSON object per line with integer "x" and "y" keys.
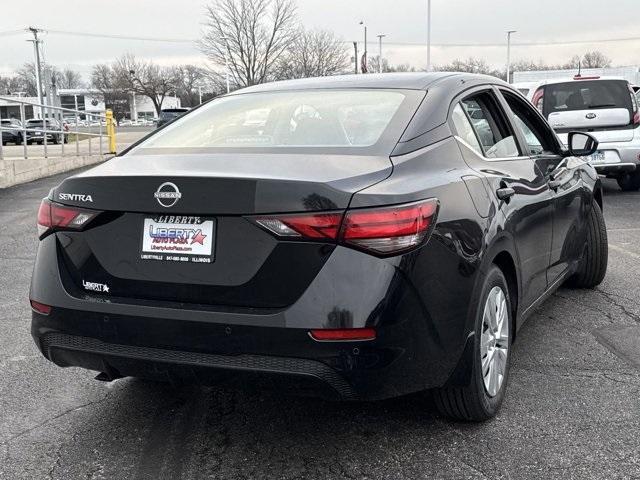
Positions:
{"x": 470, "y": 22}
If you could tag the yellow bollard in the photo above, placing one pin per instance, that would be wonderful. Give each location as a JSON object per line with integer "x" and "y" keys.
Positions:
{"x": 111, "y": 131}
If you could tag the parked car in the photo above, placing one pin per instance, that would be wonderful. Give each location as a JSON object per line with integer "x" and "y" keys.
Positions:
{"x": 37, "y": 128}
{"x": 169, "y": 114}
{"x": 605, "y": 107}
{"x": 14, "y": 132}
{"x": 363, "y": 241}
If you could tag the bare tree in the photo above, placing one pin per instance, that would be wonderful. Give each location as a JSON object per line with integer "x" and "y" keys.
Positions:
{"x": 69, "y": 78}
{"x": 251, "y": 35}
{"x": 387, "y": 67}
{"x": 315, "y": 53}
{"x": 11, "y": 85}
{"x": 113, "y": 91}
{"x": 471, "y": 65}
{"x": 191, "y": 80}
{"x": 146, "y": 79}
{"x": 595, "y": 59}
{"x": 27, "y": 75}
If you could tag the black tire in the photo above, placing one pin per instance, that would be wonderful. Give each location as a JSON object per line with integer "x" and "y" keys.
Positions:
{"x": 472, "y": 402}
{"x": 630, "y": 182}
{"x": 593, "y": 264}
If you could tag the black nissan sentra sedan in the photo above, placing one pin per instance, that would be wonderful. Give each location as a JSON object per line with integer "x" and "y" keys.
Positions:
{"x": 353, "y": 237}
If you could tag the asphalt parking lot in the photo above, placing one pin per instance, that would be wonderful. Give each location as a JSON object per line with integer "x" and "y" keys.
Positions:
{"x": 125, "y": 136}
{"x": 572, "y": 409}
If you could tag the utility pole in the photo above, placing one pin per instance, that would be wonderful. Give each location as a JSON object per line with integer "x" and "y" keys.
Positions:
{"x": 36, "y": 49}
{"x": 509, "y": 32}
{"x": 428, "y": 35}
{"x": 355, "y": 49}
{"x": 380, "y": 37}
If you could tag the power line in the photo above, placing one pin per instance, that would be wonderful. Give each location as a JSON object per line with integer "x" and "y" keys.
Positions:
{"x": 121, "y": 37}
{"x": 519, "y": 44}
{"x": 12, "y": 32}
{"x": 396, "y": 43}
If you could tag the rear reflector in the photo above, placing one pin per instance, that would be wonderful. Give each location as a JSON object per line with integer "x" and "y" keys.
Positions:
{"x": 40, "y": 307}
{"x": 383, "y": 231}
{"x": 54, "y": 216}
{"x": 343, "y": 334}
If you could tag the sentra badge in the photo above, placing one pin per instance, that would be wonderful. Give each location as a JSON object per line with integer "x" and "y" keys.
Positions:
{"x": 75, "y": 197}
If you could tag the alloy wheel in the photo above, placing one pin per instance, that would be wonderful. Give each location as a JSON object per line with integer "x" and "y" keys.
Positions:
{"x": 494, "y": 341}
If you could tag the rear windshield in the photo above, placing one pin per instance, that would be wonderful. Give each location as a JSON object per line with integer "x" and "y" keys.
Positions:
{"x": 586, "y": 95}
{"x": 309, "y": 118}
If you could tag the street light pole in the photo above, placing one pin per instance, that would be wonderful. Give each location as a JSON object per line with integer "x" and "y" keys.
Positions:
{"x": 380, "y": 37}
{"x": 365, "y": 47}
{"x": 428, "y": 35}
{"x": 36, "y": 48}
{"x": 509, "y": 32}
{"x": 355, "y": 49}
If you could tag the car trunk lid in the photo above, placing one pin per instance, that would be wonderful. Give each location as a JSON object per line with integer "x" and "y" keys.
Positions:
{"x": 240, "y": 264}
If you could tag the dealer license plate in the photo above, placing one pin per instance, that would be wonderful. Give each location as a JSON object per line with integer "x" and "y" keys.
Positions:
{"x": 178, "y": 239}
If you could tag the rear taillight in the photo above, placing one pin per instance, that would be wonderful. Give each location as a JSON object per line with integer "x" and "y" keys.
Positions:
{"x": 53, "y": 216}
{"x": 383, "y": 231}
{"x": 311, "y": 226}
{"x": 538, "y": 99}
{"x": 636, "y": 108}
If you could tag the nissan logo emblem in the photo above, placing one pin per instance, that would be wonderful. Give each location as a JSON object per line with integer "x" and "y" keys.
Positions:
{"x": 167, "y": 194}
{"x": 590, "y": 116}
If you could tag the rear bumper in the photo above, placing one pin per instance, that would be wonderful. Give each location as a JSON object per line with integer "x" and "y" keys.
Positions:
{"x": 121, "y": 360}
{"x": 615, "y": 168}
{"x": 393, "y": 364}
{"x": 420, "y": 337}
{"x": 628, "y": 154}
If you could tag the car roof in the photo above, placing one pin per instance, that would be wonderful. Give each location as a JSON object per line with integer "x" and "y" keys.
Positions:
{"x": 405, "y": 80}
{"x": 553, "y": 81}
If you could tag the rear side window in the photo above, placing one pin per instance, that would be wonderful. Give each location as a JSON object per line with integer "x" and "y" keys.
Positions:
{"x": 492, "y": 130}
{"x": 464, "y": 128}
{"x": 586, "y": 95}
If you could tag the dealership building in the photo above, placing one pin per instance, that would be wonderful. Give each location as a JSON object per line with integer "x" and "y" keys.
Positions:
{"x": 133, "y": 107}
{"x": 128, "y": 106}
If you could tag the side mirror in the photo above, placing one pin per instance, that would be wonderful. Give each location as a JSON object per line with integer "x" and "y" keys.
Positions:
{"x": 581, "y": 144}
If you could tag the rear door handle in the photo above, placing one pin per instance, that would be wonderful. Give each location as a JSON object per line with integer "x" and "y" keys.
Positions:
{"x": 505, "y": 193}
